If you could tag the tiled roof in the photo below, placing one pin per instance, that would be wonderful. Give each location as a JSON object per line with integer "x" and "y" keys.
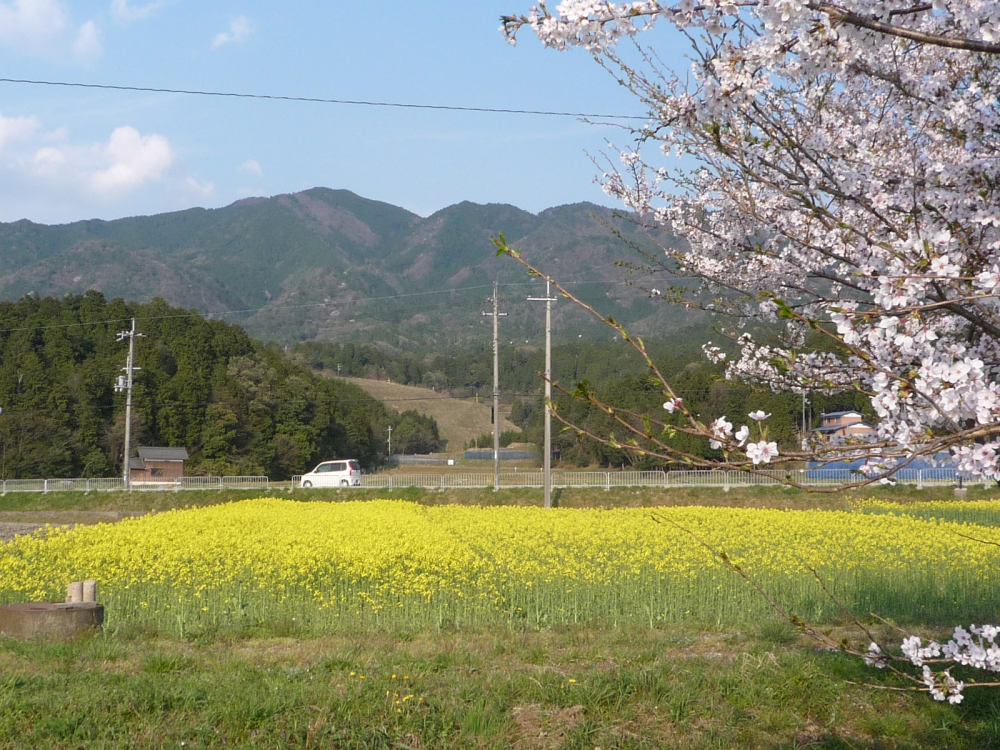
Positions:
{"x": 163, "y": 454}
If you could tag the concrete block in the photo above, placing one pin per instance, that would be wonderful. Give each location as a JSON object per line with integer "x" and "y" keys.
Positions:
{"x": 50, "y": 619}
{"x": 74, "y": 592}
{"x": 90, "y": 591}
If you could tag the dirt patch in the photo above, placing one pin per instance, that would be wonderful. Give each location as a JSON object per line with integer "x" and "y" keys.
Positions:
{"x": 10, "y": 530}
{"x": 20, "y": 522}
{"x": 545, "y": 729}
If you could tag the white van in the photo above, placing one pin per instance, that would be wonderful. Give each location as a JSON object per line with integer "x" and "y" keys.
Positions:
{"x": 342, "y": 473}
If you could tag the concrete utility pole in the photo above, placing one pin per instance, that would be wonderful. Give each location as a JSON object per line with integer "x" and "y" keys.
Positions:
{"x": 390, "y": 443}
{"x": 125, "y": 384}
{"x": 548, "y": 299}
{"x": 496, "y": 387}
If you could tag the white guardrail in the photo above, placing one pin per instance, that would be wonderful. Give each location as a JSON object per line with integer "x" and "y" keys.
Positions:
{"x": 510, "y": 480}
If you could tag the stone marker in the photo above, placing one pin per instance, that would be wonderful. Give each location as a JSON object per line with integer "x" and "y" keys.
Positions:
{"x": 74, "y": 592}
{"x": 49, "y": 619}
{"x": 90, "y": 591}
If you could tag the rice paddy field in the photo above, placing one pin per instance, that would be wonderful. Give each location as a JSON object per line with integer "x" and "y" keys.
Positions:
{"x": 388, "y": 565}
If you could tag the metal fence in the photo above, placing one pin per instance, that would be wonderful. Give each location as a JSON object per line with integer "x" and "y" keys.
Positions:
{"x": 518, "y": 479}
{"x": 117, "y": 484}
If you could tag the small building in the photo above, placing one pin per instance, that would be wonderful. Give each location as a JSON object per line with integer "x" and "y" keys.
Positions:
{"x": 157, "y": 464}
{"x": 845, "y": 425}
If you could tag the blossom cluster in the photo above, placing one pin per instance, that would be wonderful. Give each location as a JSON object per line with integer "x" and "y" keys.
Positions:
{"x": 721, "y": 435}
{"x": 975, "y": 647}
{"x": 841, "y": 175}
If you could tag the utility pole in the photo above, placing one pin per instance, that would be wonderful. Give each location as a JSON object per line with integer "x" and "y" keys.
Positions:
{"x": 496, "y": 387}
{"x": 390, "y": 443}
{"x": 805, "y": 429}
{"x": 125, "y": 384}
{"x": 548, "y": 299}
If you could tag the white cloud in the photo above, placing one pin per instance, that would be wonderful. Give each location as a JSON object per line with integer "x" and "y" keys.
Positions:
{"x": 32, "y": 21}
{"x": 239, "y": 30}
{"x": 87, "y": 46}
{"x": 16, "y": 128}
{"x": 135, "y": 159}
{"x": 198, "y": 189}
{"x": 60, "y": 177}
{"x": 252, "y": 166}
{"x": 46, "y": 28}
{"x": 49, "y": 162}
{"x": 124, "y": 12}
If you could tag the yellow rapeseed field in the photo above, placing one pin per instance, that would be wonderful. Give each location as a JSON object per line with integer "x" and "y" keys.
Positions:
{"x": 395, "y": 564}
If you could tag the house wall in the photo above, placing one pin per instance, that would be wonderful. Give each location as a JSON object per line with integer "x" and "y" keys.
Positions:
{"x": 844, "y": 419}
{"x": 158, "y": 471}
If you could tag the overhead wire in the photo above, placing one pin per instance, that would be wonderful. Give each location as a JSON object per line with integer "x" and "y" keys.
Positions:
{"x": 321, "y": 100}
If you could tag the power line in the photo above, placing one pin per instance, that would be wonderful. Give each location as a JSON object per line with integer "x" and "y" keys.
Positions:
{"x": 320, "y": 100}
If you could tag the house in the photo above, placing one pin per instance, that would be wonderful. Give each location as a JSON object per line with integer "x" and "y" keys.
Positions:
{"x": 157, "y": 464}
{"x": 845, "y": 425}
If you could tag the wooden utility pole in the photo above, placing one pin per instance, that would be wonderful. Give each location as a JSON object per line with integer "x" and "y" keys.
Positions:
{"x": 548, "y": 299}
{"x": 496, "y": 387}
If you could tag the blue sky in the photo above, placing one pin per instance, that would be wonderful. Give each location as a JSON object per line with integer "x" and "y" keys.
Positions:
{"x": 69, "y": 154}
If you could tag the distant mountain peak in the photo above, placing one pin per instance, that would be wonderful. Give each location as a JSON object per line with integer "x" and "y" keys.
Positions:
{"x": 337, "y": 265}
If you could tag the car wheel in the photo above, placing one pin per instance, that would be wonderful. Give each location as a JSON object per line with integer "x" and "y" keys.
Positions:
{"x": 307, "y": 484}
{"x": 344, "y": 483}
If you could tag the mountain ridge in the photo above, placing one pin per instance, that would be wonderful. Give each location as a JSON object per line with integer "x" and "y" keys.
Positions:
{"x": 333, "y": 265}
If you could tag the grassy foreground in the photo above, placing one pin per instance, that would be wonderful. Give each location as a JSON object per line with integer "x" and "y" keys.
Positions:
{"x": 561, "y": 688}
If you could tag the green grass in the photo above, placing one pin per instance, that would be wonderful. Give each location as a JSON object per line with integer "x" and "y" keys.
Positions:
{"x": 565, "y": 688}
{"x": 956, "y": 511}
{"x": 749, "y": 497}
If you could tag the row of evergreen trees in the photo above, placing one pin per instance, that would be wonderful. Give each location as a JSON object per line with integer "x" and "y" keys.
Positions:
{"x": 239, "y": 406}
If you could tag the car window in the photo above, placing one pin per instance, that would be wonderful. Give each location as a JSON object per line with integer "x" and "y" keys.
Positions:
{"x": 338, "y": 467}
{"x": 324, "y": 467}
{"x": 355, "y": 466}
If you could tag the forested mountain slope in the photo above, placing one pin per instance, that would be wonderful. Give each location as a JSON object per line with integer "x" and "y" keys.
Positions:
{"x": 329, "y": 264}
{"x": 239, "y": 406}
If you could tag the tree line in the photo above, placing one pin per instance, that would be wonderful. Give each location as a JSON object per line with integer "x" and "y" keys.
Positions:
{"x": 465, "y": 372}
{"x": 239, "y": 406}
{"x": 705, "y": 391}
{"x": 612, "y": 369}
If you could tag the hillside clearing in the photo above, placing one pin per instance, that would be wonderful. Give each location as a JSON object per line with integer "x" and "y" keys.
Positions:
{"x": 459, "y": 420}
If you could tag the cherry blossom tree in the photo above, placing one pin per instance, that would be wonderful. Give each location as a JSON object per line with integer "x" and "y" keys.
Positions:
{"x": 839, "y": 174}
